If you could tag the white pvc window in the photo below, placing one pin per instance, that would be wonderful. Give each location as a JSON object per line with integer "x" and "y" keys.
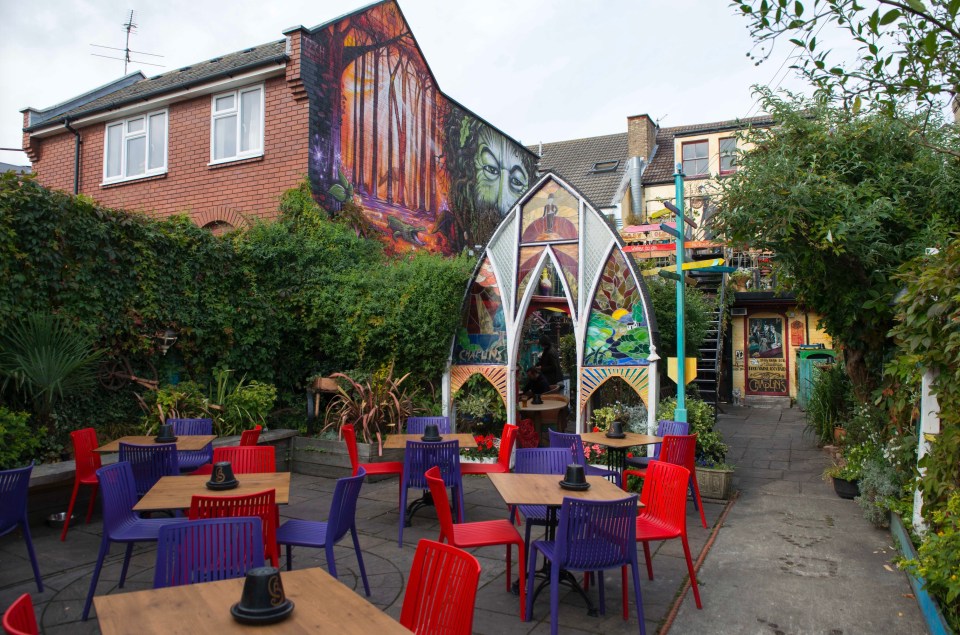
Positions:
{"x": 236, "y": 126}
{"x": 135, "y": 147}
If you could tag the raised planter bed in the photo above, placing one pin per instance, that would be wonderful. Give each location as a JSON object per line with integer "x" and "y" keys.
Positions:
{"x": 929, "y": 607}
{"x": 715, "y": 484}
{"x": 329, "y": 458}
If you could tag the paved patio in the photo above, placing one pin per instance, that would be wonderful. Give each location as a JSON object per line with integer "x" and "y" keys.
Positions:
{"x": 67, "y": 566}
{"x": 791, "y": 557}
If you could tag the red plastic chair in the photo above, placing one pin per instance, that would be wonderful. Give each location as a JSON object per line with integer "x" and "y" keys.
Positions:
{"x": 485, "y": 533}
{"x": 502, "y": 466}
{"x": 250, "y": 437}
{"x": 19, "y": 618}
{"x": 257, "y": 459}
{"x": 664, "y": 516}
{"x": 385, "y": 468}
{"x": 88, "y": 462}
{"x": 678, "y": 450}
{"x": 441, "y": 590}
{"x": 262, "y": 504}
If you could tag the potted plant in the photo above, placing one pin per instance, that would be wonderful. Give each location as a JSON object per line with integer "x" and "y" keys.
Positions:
{"x": 714, "y": 475}
{"x": 845, "y": 477}
{"x": 740, "y": 278}
{"x": 376, "y": 406}
{"x": 486, "y": 451}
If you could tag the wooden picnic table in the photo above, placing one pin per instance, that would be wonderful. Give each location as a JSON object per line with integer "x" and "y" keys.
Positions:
{"x": 184, "y": 442}
{"x": 175, "y": 492}
{"x": 321, "y": 604}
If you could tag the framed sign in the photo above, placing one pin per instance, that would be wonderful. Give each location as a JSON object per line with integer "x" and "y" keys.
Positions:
{"x": 766, "y": 368}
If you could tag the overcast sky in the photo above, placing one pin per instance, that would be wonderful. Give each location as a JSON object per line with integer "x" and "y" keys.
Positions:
{"x": 541, "y": 70}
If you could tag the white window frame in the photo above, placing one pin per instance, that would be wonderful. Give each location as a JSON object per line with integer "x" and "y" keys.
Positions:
{"x": 124, "y": 123}
{"x": 214, "y": 115}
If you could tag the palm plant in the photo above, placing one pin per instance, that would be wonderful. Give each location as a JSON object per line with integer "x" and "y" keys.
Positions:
{"x": 45, "y": 359}
{"x": 374, "y": 406}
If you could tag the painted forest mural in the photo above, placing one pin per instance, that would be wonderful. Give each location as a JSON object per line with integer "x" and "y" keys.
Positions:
{"x": 427, "y": 173}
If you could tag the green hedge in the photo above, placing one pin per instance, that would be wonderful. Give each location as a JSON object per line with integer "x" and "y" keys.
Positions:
{"x": 275, "y": 303}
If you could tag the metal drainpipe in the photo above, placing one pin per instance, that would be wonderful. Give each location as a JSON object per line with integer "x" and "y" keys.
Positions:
{"x": 76, "y": 155}
{"x": 635, "y": 167}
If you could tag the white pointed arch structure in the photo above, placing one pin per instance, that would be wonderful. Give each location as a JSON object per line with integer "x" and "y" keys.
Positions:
{"x": 607, "y": 301}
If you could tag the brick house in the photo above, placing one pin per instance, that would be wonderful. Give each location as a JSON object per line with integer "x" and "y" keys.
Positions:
{"x": 350, "y": 104}
{"x": 627, "y": 176}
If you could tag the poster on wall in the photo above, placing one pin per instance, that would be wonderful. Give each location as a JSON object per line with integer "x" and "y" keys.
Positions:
{"x": 766, "y": 362}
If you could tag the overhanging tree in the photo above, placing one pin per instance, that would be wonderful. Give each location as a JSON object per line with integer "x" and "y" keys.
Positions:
{"x": 907, "y": 51}
{"x": 843, "y": 200}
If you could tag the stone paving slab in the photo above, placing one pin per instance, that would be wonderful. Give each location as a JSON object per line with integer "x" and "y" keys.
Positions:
{"x": 68, "y": 566}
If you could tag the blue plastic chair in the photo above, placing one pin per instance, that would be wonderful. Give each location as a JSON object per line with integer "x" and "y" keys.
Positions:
{"x": 417, "y": 425}
{"x": 664, "y": 427}
{"x": 575, "y": 443}
{"x": 538, "y": 461}
{"x": 120, "y": 522}
{"x": 190, "y": 460}
{"x": 420, "y": 457}
{"x": 591, "y": 536}
{"x": 14, "y": 485}
{"x": 207, "y": 550}
{"x": 342, "y": 518}
{"x": 149, "y": 463}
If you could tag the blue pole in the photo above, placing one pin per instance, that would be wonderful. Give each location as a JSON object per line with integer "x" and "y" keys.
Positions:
{"x": 680, "y": 414}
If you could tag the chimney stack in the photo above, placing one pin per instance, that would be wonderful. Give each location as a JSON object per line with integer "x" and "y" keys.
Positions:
{"x": 641, "y": 136}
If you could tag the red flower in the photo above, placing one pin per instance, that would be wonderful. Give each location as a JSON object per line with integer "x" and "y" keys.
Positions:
{"x": 629, "y": 455}
{"x": 596, "y": 429}
{"x": 489, "y": 443}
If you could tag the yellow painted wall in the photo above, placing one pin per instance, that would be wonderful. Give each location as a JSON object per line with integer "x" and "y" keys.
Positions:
{"x": 739, "y": 356}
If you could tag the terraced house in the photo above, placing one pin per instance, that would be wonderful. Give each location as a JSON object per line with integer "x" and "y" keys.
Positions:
{"x": 628, "y": 176}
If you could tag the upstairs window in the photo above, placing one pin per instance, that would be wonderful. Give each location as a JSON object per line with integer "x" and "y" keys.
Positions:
{"x": 728, "y": 155}
{"x": 135, "y": 147}
{"x": 695, "y": 158}
{"x": 236, "y": 126}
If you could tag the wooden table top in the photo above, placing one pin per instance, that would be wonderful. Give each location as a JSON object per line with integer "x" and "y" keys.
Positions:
{"x": 399, "y": 441}
{"x": 184, "y": 442}
{"x": 544, "y": 489}
{"x": 321, "y": 604}
{"x": 175, "y": 492}
{"x": 550, "y": 402}
{"x": 601, "y": 438}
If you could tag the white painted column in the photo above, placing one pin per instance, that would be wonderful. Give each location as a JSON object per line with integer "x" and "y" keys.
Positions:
{"x": 929, "y": 426}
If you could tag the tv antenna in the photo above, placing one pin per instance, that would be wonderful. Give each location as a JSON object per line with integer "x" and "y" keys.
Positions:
{"x": 129, "y": 26}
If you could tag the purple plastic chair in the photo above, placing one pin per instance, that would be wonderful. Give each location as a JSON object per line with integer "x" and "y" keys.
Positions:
{"x": 149, "y": 463}
{"x": 207, "y": 550}
{"x": 420, "y": 457}
{"x": 120, "y": 522}
{"x": 190, "y": 460}
{"x": 342, "y": 518}
{"x": 591, "y": 536}
{"x": 417, "y": 425}
{"x": 573, "y": 441}
{"x": 14, "y": 485}
{"x": 664, "y": 427}
{"x": 538, "y": 461}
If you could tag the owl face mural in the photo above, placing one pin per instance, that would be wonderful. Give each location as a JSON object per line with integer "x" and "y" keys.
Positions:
{"x": 501, "y": 176}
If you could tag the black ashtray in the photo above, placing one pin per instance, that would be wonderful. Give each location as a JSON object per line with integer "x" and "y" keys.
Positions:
{"x": 575, "y": 479}
{"x": 431, "y": 433}
{"x": 222, "y": 477}
{"x": 611, "y": 435}
{"x": 616, "y": 431}
{"x": 263, "y": 600}
{"x": 165, "y": 434}
{"x": 165, "y": 439}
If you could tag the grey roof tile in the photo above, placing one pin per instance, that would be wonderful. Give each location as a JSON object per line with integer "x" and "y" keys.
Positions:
{"x": 574, "y": 161}
{"x": 181, "y": 78}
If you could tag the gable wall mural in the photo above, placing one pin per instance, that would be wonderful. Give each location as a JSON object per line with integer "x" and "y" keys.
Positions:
{"x": 554, "y": 228}
{"x": 427, "y": 173}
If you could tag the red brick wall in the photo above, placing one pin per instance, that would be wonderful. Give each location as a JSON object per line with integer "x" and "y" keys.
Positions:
{"x": 227, "y": 192}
